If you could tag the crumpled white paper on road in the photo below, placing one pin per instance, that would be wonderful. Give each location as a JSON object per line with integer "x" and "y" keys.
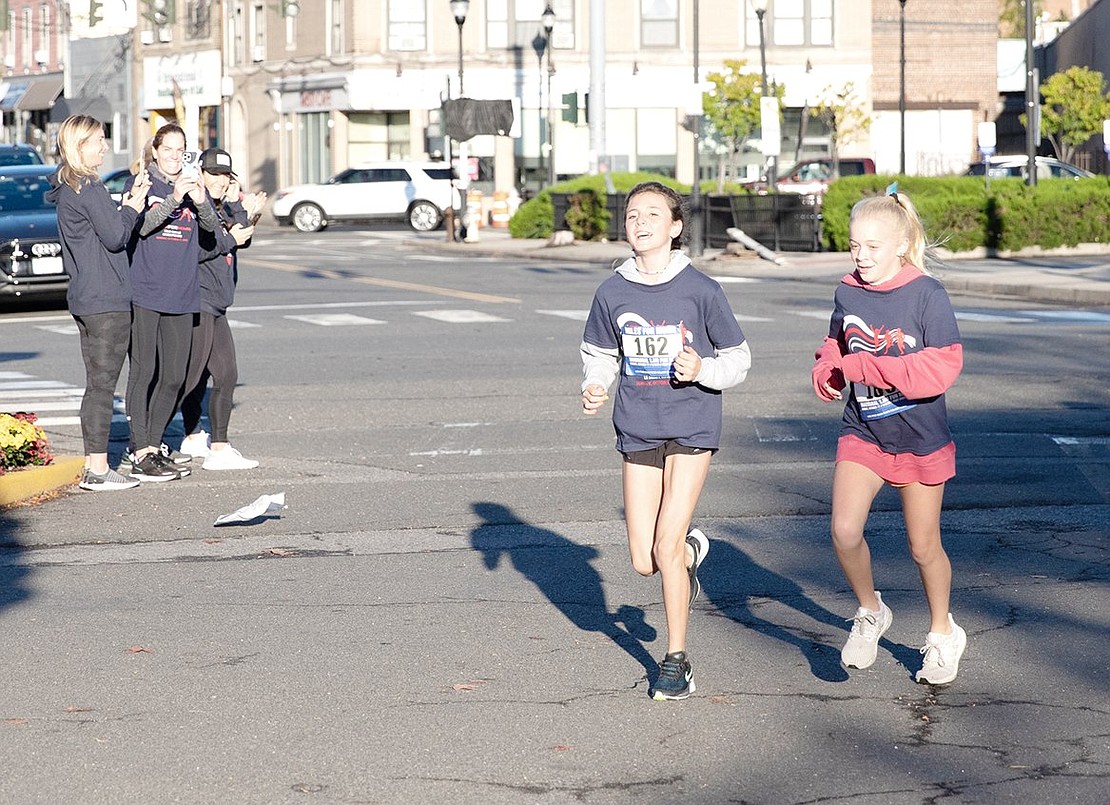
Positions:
{"x": 265, "y": 505}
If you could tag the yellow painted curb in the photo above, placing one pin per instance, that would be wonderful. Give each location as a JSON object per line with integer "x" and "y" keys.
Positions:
{"x": 17, "y": 485}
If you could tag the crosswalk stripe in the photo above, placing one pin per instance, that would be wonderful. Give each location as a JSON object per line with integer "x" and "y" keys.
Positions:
{"x": 334, "y": 319}
{"x": 459, "y": 316}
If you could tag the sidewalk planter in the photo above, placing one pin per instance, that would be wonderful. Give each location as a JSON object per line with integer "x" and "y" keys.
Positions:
{"x": 30, "y": 482}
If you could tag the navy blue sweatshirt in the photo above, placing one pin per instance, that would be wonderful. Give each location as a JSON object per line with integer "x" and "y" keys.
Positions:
{"x": 218, "y": 262}
{"x": 94, "y": 233}
{"x": 164, "y": 257}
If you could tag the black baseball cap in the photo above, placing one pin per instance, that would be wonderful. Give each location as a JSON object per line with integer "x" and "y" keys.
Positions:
{"x": 216, "y": 160}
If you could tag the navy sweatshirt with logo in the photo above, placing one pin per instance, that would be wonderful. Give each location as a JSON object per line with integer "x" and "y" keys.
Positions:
{"x": 166, "y": 253}
{"x": 94, "y": 233}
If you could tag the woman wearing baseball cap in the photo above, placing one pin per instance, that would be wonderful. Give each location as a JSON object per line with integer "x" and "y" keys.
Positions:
{"x": 213, "y": 349}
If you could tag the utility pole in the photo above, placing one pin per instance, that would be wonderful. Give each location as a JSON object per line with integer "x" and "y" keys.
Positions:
{"x": 697, "y": 240}
{"x": 1032, "y": 101}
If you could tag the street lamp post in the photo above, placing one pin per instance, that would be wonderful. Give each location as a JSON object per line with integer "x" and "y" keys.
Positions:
{"x": 459, "y": 9}
{"x": 1032, "y": 102}
{"x": 760, "y": 8}
{"x": 902, "y": 87}
{"x": 547, "y": 19}
{"x": 697, "y": 239}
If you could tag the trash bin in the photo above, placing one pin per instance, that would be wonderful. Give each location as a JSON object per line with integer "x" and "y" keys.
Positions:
{"x": 499, "y": 212}
{"x": 474, "y": 209}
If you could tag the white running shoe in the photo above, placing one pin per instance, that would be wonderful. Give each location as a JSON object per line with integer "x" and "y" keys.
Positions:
{"x": 699, "y": 547}
{"x": 863, "y": 642}
{"x": 942, "y": 655}
{"x": 228, "y": 459}
{"x": 196, "y": 445}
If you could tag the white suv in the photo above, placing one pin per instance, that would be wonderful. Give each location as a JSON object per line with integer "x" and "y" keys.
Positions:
{"x": 416, "y": 192}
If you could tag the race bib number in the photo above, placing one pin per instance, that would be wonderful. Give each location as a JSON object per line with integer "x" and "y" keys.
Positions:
{"x": 879, "y": 403}
{"x": 649, "y": 351}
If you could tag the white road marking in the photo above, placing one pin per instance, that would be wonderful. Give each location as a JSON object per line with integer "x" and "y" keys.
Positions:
{"x": 1068, "y": 315}
{"x": 576, "y": 315}
{"x": 962, "y": 315}
{"x": 335, "y": 319}
{"x": 459, "y": 316}
{"x": 60, "y": 329}
{"x": 735, "y": 280}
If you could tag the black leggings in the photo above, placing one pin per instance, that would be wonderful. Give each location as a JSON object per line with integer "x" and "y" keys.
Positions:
{"x": 104, "y": 338}
{"x": 212, "y": 355}
{"x": 160, "y": 345}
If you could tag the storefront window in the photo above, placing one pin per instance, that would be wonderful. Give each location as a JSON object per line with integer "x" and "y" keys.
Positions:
{"x": 314, "y": 138}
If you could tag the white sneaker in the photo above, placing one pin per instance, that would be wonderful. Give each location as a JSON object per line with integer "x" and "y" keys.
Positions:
{"x": 228, "y": 459}
{"x": 942, "y": 655}
{"x": 699, "y": 546}
{"x": 196, "y": 445}
{"x": 863, "y": 642}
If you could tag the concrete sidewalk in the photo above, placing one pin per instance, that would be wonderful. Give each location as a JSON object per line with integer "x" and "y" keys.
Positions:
{"x": 1071, "y": 277}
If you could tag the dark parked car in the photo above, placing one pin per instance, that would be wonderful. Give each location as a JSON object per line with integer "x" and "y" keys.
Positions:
{"x": 30, "y": 252}
{"x": 115, "y": 181}
{"x": 19, "y": 155}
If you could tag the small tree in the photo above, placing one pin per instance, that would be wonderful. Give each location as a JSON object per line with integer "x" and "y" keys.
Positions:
{"x": 1073, "y": 109}
{"x": 844, "y": 116}
{"x": 732, "y": 111}
{"x": 1011, "y": 20}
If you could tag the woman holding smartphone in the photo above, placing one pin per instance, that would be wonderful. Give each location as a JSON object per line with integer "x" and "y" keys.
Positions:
{"x": 213, "y": 349}
{"x": 166, "y": 299}
{"x": 94, "y": 233}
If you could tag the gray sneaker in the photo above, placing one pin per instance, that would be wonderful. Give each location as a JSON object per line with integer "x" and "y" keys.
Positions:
{"x": 942, "y": 655}
{"x": 863, "y": 642}
{"x": 108, "y": 482}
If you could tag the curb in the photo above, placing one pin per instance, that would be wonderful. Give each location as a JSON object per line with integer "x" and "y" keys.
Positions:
{"x": 30, "y": 482}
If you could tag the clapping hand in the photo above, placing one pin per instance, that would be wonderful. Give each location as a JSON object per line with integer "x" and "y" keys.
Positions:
{"x": 135, "y": 198}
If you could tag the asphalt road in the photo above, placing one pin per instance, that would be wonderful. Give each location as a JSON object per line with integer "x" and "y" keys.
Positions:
{"x": 445, "y": 610}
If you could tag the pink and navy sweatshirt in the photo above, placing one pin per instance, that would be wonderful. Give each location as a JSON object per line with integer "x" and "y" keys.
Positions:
{"x": 898, "y": 348}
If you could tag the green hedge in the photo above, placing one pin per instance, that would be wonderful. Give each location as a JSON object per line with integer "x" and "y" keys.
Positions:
{"x": 961, "y": 214}
{"x": 535, "y": 217}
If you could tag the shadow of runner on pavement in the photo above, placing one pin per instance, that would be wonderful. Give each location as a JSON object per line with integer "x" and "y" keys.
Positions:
{"x": 14, "y": 575}
{"x": 735, "y": 583}
{"x": 562, "y": 571}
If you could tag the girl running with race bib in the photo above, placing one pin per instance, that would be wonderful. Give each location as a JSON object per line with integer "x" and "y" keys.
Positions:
{"x": 665, "y": 332}
{"x": 892, "y": 351}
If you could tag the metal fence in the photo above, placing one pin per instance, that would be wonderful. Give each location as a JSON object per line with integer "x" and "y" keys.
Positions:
{"x": 780, "y": 221}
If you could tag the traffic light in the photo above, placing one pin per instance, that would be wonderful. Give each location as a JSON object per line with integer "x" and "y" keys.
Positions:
{"x": 96, "y": 12}
{"x": 570, "y": 107}
{"x": 290, "y": 8}
{"x": 159, "y": 13}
